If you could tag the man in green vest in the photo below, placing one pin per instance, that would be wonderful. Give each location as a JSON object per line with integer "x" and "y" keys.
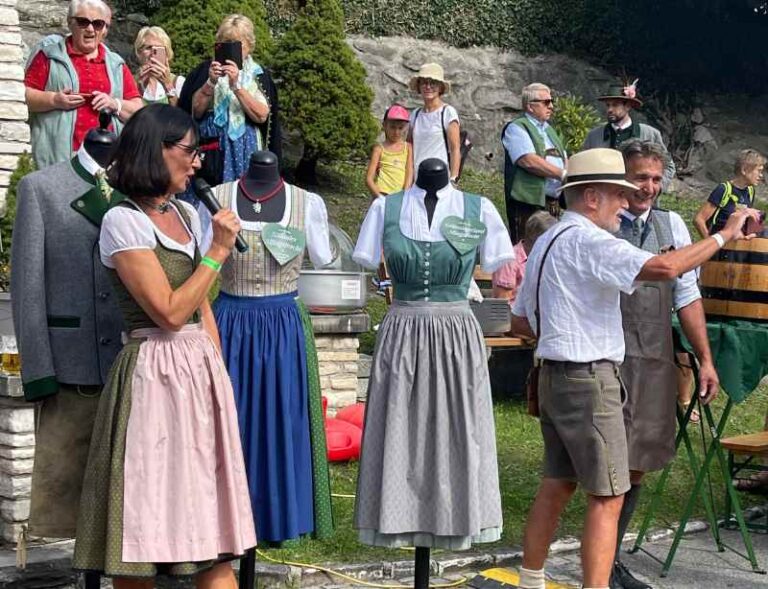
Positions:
{"x": 619, "y": 101}
{"x": 534, "y": 160}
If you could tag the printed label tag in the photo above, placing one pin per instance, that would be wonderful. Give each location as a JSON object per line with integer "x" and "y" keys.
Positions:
{"x": 463, "y": 234}
{"x": 284, "y": 243}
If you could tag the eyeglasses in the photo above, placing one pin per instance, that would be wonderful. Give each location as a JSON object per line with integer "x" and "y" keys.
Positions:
{"x": 545, "y": 102}
{"x": 84, "y": 23}
{"x": 192, "y": 150}
{"x": 429, "y": 82}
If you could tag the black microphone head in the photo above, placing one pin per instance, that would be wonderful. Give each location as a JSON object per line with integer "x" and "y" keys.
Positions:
{"x": 200, "y": 184}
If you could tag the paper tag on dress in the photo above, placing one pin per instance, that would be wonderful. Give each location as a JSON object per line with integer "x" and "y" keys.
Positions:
{"x": 284, "y": 243}
{"x": 350, "y": 290}
{"x": 463, "y": 234}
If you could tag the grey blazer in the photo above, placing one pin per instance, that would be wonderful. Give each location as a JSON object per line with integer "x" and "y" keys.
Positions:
{"x": 599, "y": 137}
{"x": 66, "y": 318}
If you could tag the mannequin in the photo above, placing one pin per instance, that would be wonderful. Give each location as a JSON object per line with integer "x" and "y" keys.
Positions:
{"x": 99, "y": 141}
{"x": 64, "y": 376}
{"x": 261, "y": 192}
{"x": 268, "y": 347}
{"x": 433, "y": 175}
{"x": 425, "y": 481}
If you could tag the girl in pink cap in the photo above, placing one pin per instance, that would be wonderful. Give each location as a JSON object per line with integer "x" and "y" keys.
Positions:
{"x": 390, "y": 169}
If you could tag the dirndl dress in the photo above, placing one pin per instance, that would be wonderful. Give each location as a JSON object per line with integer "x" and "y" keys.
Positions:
{"x": 428, "y": 473}
{"x": 165, "y": 490}
{"x": 269, "y": 349}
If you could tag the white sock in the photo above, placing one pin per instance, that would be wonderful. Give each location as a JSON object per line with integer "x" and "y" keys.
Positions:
{"x": 532, "y": 579}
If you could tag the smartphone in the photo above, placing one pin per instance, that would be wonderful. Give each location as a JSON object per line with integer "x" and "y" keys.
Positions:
{"x": 87, "y": 96}
{"x": 159, "y": 53}
{"x": 754, "y": 226}
{"x": 229, "y": 50}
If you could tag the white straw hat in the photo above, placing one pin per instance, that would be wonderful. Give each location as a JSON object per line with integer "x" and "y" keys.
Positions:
{"x": 596, "y": 166}
{"x": 431, "y": 71}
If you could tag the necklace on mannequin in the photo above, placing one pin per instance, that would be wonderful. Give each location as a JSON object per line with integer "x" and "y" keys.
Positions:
{"x": 256, "y": 202}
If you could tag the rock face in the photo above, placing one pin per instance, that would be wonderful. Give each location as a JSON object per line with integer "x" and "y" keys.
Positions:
{"x": 486, "y": 84}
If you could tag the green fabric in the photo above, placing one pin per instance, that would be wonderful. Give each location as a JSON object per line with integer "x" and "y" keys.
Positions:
{"x": 321, "y": 477}
{"x": 739, "y": 352}
{"x": 35, "y": 390}
{"x": 178, "y": 268}
{"x": 524, "y": 186}
{"x": 93, "y": 204}
{"x": 52, "y": 131}
{"x": 616, "y": 138}
{"x": 422, "y": 270}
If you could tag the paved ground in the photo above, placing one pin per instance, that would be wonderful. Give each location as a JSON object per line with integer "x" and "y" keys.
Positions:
{"x": 697, "y": 565}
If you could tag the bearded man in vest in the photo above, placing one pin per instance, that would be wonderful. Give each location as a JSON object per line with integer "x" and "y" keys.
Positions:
{"x": 70, "y": 79}
{"x": 534, "y": 160}
{"x": 619, "y": 102}
{"x": 648, "y": 371}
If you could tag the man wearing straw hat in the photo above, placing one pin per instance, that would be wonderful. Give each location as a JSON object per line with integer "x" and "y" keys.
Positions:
{"x": 619, "y": 102}
{"x": 570, "y": 295}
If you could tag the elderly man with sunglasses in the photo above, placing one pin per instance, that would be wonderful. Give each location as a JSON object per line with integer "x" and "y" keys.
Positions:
{"x": 70, "y": 79}
{"x": 534, "y": 160}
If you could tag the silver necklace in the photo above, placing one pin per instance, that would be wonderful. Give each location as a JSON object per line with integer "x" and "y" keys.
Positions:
{"x": 162, "y": 208}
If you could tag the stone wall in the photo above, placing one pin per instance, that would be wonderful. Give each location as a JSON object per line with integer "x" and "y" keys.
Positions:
{"x": 14, "y": 132}
{"x": 17, "y": 450}
{"x": 338, "y": 358}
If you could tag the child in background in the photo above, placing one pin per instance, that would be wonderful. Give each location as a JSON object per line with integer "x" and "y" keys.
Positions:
{"x": 507, "y": 279}
{"x": 391, "y": 167}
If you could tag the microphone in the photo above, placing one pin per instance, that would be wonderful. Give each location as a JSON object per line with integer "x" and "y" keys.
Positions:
{"x": 205, "y": 194}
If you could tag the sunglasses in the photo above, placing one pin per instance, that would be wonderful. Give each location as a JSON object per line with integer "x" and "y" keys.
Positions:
{"x": 547, "y": 102}
{"x": 429, "y": 82}
{"x": 83, "y": 23}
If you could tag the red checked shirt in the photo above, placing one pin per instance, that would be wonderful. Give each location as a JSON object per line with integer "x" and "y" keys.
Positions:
{"x": 92, "y": 75}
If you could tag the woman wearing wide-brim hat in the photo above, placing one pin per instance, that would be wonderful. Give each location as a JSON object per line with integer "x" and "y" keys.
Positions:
{"x": 434, "y": 131}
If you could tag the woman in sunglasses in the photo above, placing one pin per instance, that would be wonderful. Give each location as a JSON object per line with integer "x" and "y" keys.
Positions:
{"x": 434, "y": 130}
{"x": 70, "y": 79}
{"x": 165, "y": 491}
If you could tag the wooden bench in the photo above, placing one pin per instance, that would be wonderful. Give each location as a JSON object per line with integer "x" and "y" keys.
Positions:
{"x": 752, "y": 448}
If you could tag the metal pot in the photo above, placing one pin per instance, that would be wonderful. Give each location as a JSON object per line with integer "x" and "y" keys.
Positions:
{"x": 332, "y": 291}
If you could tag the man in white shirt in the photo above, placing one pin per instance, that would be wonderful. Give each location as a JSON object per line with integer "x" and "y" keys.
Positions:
{"x": 649, "y": 371}
{"x": 580, "y": 348}
{"x": 619, "y": 102}
{"x": 534, "y": 160}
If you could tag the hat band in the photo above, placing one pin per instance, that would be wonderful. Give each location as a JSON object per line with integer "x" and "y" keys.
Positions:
{"x": 592, "y": 177}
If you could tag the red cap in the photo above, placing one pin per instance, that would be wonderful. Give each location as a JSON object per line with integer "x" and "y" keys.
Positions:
{"x": 396, "y": 112}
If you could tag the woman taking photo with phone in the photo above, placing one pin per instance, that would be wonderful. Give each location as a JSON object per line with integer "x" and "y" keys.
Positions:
{"x": 154, "y": 51}
{"x": 236, "y": 107}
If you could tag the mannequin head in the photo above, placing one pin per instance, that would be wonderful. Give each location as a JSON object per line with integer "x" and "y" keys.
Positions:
{"x": 432, "y": 175}
{"x": 98, "y": 143}
{"x": 263, "y": 167}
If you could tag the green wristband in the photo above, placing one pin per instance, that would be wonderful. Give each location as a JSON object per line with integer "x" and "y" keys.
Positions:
{"x": 211, "y": 263}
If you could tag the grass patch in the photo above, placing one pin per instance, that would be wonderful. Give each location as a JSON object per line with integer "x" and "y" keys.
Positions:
{"x": 520, "y": 451}
{"x": 518, "y": 437}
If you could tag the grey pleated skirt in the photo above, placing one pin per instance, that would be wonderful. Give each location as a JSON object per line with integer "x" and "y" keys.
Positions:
{"x": 428, "y": 472}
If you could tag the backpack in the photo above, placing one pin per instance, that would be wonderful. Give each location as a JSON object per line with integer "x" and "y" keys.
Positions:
{"x": 465, "y": 143}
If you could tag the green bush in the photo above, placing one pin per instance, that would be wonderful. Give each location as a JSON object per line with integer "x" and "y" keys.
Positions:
{"x": 573, "y": 120}
{"x": 192, "y": 26}
{"x": 323, "y": 92}
{"x": 24, "y": 166}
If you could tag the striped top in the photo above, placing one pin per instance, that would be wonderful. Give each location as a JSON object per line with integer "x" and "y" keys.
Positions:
{"x": 257, "y": 273}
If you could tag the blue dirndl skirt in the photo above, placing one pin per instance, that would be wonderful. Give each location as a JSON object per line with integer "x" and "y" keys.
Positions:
{"x": 264, "y": 350}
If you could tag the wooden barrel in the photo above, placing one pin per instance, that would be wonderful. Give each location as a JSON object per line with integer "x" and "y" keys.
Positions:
{"x": 734, "y": 283}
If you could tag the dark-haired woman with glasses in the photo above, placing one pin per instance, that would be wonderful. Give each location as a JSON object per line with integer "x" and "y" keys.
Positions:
{"x": 70, "y": 79}
{"x": 165, "y": 490}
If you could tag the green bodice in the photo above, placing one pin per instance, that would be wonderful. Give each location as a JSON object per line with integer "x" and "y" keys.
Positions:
{"x": 178, "y": 267}
{"x": 423, "y": 270}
